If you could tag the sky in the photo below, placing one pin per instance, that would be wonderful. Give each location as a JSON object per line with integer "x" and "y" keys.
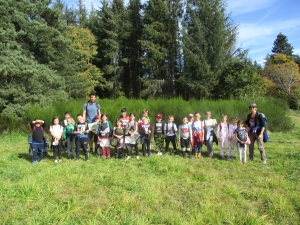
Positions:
{"x": 259, "y": 22}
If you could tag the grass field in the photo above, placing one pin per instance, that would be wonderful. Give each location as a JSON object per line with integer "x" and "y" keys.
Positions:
{"x": 155, "y": 190}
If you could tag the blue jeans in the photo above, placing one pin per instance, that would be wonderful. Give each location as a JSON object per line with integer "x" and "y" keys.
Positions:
{"x": 37, "y": 150}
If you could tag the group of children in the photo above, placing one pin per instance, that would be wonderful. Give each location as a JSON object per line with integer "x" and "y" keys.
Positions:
{"x": 127, "y": 133}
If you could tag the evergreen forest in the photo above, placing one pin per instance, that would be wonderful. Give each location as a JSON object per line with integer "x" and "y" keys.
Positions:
{"x": 52, "y": 52}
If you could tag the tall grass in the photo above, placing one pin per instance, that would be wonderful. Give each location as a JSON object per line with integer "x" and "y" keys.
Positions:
{"x": 154, "y": 190}
{"x": 274, "y": 109}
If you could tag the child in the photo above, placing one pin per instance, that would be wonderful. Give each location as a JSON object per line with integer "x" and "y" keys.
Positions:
{"x": 241, "y": 134}
{"x": 131, "y": 136}
{"x": 64, "y": 123}
{"x": 209, "y": 125}
{"x": 56, "y": 131}
{"x": 170, "y": 134}
{"x": 81, "y": 138}
{"x": 145, "y": 114}
{"x": 38, "y": 128}
{"x": 191, "y": 119}
{"x": 68, "y": 135}
{"x": 104, "y": 134}
{"x": 198, "y": 135}
{"x": 223, "y": 136}
{"x": 67, "y": 115}
{"x": 118, "y": 132}
{"x": 232, "y": 138}
{"x": 158, "y": 131}
{"x": 145, "y": 131}
{"x": 185, "y": 137}
{"x": 124, "y": 118}
{"x": 96, "y": 120}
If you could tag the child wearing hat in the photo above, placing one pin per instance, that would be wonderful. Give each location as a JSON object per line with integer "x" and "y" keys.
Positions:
{"x": 38, "y": 128}
{"x": 158, "y": 131}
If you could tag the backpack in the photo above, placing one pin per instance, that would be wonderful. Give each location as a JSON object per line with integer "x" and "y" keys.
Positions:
{"x": 265, "y": 119}
{"x": 220, "y": 125}
{"x": 97, "y": 105}
{"x": 30, "y": 150}
{"x": 182, "y": 126}
{"x": 172, "y": 128}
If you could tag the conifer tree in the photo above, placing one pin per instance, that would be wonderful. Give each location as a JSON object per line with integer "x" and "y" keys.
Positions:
{"x": 132, "y": 49}
{"x": 208, "y": 41}
{"x": 160, "y": 42}
{"x": 282, "y": 46}
{"x": 35, "y": 56}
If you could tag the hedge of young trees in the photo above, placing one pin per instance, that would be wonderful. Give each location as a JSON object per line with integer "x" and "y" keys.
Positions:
{"x": 145, "y": 49}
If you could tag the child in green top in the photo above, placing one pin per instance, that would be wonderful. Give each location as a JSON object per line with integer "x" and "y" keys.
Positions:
{"x": 69, "y": 136}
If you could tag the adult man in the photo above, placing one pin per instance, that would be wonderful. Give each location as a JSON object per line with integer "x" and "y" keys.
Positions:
{"x": 89, "y": 111}
{"x": 256, "y": 129}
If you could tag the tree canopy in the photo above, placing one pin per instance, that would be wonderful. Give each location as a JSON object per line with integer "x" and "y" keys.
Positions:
{"x": 150, "y": 49}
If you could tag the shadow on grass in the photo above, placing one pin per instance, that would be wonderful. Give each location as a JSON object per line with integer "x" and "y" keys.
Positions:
{"x": 25, "y": 156}
{"x": 28, "y": 157}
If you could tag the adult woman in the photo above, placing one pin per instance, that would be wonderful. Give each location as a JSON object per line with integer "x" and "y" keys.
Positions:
{"x": 256, "y": 129}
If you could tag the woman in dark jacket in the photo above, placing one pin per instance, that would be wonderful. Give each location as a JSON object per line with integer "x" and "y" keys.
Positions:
{"x": 256, "y": 129}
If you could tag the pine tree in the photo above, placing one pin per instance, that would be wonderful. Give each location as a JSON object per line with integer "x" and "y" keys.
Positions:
{"x": 82, "y": 14}
{"x": 282, "y": 46}
{"x": 161, "y": 42}
{"x": 35, "y": 56}
{"x": 132, "y": 50}
{"x": 208, "y": 40}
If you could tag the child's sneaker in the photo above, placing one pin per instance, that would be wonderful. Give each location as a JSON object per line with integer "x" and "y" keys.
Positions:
{"x": 33, "y": 162}
{"x": 137, "y": 157}
{"x": 59, "y": 160}
{"x": 56, "y": 161}
{"x": 264, "y": 161}
{"x": 128, "y": 157}
{"x": 42, "y": 161}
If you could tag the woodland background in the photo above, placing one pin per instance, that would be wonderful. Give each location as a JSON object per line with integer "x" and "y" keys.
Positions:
{"x": 153, "y": 49}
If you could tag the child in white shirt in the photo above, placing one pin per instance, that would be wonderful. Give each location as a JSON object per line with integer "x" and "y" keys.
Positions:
{"x": 223, "y": 136}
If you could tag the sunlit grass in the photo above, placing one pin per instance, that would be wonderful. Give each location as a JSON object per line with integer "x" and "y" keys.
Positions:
{"x": 155, "y": 190}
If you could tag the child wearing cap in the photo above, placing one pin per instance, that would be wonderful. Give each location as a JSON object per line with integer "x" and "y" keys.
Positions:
{"x": 158, "y": 131}
{"x": 38, "y": 128}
